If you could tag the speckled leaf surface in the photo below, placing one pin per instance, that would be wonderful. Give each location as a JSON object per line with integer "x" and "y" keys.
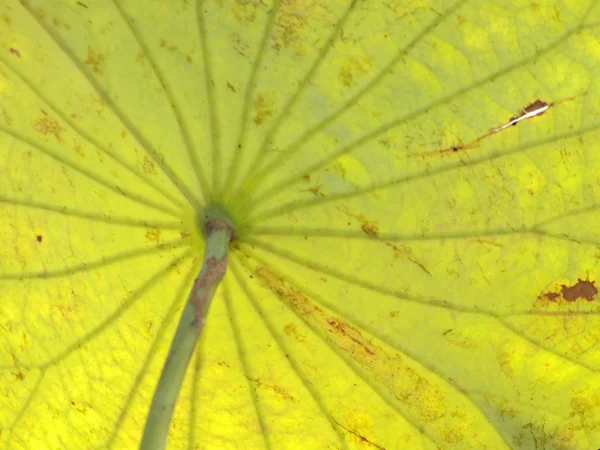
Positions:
{"x": 415, "y": 186}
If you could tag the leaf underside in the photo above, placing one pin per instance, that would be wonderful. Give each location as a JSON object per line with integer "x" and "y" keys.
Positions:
{"x": 415, "y": 187}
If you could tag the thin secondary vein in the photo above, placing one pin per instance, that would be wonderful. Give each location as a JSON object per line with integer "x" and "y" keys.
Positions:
{"x": 294, "y": 206}
{"x": 127, "y": 304}
{"x": 159, "y": 339}
{"x": 325, "y": 49}
{"x": 91, "y": 175}
{"x": 294, "y": 365}
{"x": 89, "y": 138}
{"x": 249, "y": 91}
{"x": 242, "y": 355}
{"x": 293, "y": 179}
{"x": 93, "y": 265}
{"x": 297, "y": 146}
{"x": 150, "y": 151}
{"x": 181, "y": 122}
{"x": 353, "y": 366}
{"x": 215, "y": 130}
{"x": 96, "y": 217}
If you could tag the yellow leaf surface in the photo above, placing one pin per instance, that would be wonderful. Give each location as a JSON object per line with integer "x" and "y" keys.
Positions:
{"x": 415, "y": 187}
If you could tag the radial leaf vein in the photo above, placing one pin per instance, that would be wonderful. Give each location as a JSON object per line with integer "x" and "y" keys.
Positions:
{"x": 352, "y": 365}
{"x": 248, "y": 92}
{"x": 213, "y": 112}
{"x": 93, "y": 265}
{"x": 148, "y": 148}
{"x": 297, "y": 205}
{"x": 181, "y": 122}
{"x": 70, "y": 212}
{"x": 260, "y": 198}
{"x": 325, "y": 49}
{"x": 91, "y": 139}
{"x": 118, "y": 312}
{"x": 91, "y": 175}
{"x": 294, "y": 365}
{"x": 243, "y": 357}
{"x": 160, "y": 338}
{"x": 295, "y": 147}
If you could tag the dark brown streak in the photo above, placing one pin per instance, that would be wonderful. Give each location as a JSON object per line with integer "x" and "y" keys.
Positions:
{"x": 526, "y": 113}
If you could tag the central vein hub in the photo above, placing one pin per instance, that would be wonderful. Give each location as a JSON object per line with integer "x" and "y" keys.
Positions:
{"x": 216, "y": 217}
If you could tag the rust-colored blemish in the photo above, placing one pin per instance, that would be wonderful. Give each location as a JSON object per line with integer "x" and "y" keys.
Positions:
{"x": 171, "y": 48}
{"x": 83, "y": 5}
{"x": 369, "y": 227}
{"x": 315, "y": 190}
{"x": 60, "y": 24}
{"x": 289, "y": 329}
{"x": 353, "y": 68}
{"x": 406, "y": 252}
{"x": 153, "y": 235}
{"x": 264, "y": 107}
{"x": 231, "y": 86}
{"x": 238, "y": 45}
{"x": 95, "y": 60}
{"x": 215, "y": 271}
{"x": 274, "y": 388}
{"x": 14, "y": 51}
{"x": 244, "y": 11}
{"x": 305, "y": 307}
{"x": 341, "y": 329}
{"x": 403, "y": 382}
{"x": 149, "y": 166}
{"x": 185, "y": 234}
{"x": 362, "y": 439}
{"x": 292, "y": 19}
{"x": 39, "y": 238}
{"x": 46, "y": 125}
{"x": 532, "y": 110}
{"x": 584, "y": 289}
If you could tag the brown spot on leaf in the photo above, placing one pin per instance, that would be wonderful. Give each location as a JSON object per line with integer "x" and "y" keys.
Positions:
{"x": 406, "y": 252}
{"x": 60, "y": 24}
{"x": 534, "y": 109}
{"x": 14, "y": 51}
{"x": 171, "y": 48}
{"x": 368, "y": 226}
{"x": 293, "y": 20}
{"x": 584, "y": 289}
{"x": 95, "y": 60}
{"x": 353, "y": 68}
{"x": 153, "y": 235}
{"x": 46, "y": 125}
{"x": 264, "y": 106}
{"x": 406, "y": 384}
{"x": 316, "y": 190}
{"x": 19, "y": 375}
{"x": 83, "y": 5}
{"x": 238, "y": 45}
{"x": 149, "y": 166}
{"x": 289, "y": 329}
{"x": 39, "y": 238}
{"x": 245, "y": 11}
{"x": 274, "y": 388}
{"x": 361, "y": 439}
